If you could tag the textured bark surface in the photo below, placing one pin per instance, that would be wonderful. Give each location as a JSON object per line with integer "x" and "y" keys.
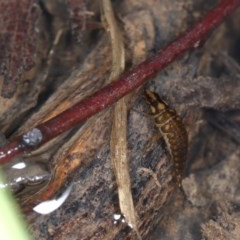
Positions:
{"x": 203, "y": 87}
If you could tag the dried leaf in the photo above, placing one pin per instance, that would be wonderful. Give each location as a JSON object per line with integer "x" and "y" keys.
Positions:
{"x": 17, "y": 41}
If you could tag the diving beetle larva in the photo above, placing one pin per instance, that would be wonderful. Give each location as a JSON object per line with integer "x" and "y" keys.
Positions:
{"x": 172, "y": 130}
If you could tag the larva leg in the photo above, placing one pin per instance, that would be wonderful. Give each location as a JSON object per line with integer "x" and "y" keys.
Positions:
{"x": 151, "y": 173}
{"x": 156, "y": 137}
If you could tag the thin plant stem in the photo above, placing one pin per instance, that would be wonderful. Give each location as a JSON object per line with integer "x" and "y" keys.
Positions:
{"x": 126, "y": 83}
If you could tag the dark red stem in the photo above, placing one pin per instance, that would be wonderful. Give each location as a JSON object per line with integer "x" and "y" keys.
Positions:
{"x": 125, "y": 83}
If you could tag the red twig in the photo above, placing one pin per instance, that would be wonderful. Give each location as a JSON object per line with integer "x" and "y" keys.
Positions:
{"x": 125, "y": 84}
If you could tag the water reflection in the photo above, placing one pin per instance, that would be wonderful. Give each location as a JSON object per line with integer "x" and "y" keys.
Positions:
{"x": 27, "y": 175}
{"x": 24, "y": 176}
{"x": 49, "y": 206}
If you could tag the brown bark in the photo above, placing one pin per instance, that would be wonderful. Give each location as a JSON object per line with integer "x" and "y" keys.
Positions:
{"x": 205, "y": 78}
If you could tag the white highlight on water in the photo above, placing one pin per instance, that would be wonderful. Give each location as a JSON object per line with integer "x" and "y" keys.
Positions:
{"x": 19, "y": 165}
{"x": 49, "y": 206}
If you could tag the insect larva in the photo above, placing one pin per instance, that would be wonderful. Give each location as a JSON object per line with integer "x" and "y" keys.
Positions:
{"x": 172, "y": 130}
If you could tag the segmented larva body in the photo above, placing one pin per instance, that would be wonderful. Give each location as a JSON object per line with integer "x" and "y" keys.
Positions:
{"x": 172, "y": 130}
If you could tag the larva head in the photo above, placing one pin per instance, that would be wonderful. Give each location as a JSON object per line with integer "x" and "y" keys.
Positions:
{"x": 156, "y": 104}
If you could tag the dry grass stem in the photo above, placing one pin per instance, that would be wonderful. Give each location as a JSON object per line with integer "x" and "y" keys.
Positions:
{"x": 118, "y": 142}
